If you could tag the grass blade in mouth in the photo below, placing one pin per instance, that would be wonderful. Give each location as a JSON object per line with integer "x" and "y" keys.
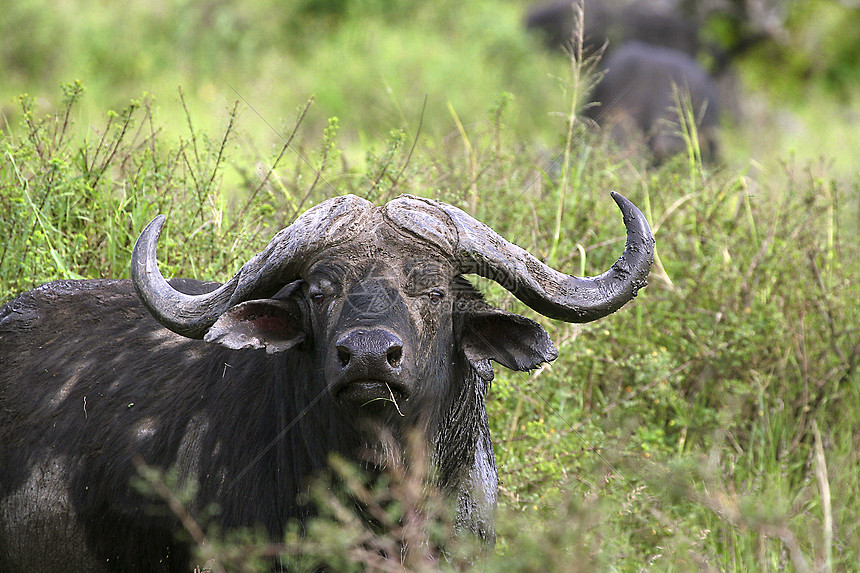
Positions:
{"x": 392, "y": 399}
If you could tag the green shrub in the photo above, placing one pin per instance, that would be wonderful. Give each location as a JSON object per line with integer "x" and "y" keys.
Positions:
{"x": 710, "y": 424}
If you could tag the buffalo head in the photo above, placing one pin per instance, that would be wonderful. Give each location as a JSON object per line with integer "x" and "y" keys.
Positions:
{"x": 378, "y": 293}
{"x": 398, "y": 339}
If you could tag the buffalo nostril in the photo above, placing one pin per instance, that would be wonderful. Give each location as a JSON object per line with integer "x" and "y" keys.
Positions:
{"x": 344, "y": 355}
{"x": 394, "y": 355}
{"x": 376, "y": 351}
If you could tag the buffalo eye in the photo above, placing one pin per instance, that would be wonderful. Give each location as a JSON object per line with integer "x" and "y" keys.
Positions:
{"x": 316, "y": 295}
{"x": 435, "y": 296}
{"x": 321, "y": 290}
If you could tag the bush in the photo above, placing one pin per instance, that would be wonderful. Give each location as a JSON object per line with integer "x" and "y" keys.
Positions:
{"x": 710, "y": 424}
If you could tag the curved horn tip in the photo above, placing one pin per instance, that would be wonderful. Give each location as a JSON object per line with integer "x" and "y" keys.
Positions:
{"x": 626, "y": 205}
{"x": 636, "y": 223}
{"x": 146, "y": 244}
{"x": 153, "y": 227}
{"x": 158, "y": 220}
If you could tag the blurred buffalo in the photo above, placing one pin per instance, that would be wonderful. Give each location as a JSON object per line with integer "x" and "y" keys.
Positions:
{"x": 649, "y": 61}
{"x": 640, "y": 92}
{"x": 612, "y": 23}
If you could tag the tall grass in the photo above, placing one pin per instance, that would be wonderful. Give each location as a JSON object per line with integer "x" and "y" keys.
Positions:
{"x": 711, "y": 424}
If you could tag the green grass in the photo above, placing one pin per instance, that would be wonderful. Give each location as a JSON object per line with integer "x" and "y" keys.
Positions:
{"x": 371, "y": 64}
{"x": 711, "y": 424}
{"x": 677, "y": 433}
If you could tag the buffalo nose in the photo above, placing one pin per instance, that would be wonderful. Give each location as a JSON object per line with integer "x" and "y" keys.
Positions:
{"x": 376, "y": 349}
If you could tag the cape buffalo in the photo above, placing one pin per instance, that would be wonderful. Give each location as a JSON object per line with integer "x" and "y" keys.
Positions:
{"x": 354, "y": 320}
{"x": 637, "y": 97}
{"x": 613, "y": 23}
{"x": 650, "y": 50}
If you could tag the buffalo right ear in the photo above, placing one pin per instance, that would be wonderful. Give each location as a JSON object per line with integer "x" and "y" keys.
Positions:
{"x": 267, "y": 323}
{"x": 513, "y": 341}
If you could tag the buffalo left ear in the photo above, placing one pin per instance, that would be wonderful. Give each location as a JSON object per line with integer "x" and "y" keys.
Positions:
{"x": 271, "y": 324}
{"x": 513, "y": 341}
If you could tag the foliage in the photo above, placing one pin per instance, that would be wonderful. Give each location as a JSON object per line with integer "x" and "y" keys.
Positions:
{"x": 710, "y": 424}
{"x": 370, "y": 63}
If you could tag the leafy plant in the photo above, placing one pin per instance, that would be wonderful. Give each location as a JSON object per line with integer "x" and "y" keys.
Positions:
{"x": 710, "y": 424}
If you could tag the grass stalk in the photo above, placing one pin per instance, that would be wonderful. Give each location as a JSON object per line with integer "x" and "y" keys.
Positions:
{"x": 748, "y": 209}
{"x": 471, "y": 160}
{"x": 824, "y": 490}
{"x": 575, "y": 59}
{"x": 689, "y": 131}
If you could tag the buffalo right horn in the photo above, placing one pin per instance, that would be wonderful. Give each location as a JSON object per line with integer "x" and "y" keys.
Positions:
{"x": 480, "y": 250}
{"x": 546, "y": 290}
{"x": 329, "y": 223}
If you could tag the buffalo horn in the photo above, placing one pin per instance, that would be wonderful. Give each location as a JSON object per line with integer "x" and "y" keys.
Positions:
{"x": 547, "y": 291}
{"x": 480, "y": 250}
{"x": 331, "y": 222}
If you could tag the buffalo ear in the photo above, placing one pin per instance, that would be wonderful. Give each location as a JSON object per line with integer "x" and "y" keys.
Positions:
{"x": 513, "y": 341}
{"x": 271, "y": 324}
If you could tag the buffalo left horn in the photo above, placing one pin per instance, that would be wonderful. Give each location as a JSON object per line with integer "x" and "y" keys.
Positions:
{"x": 329, "y": 223}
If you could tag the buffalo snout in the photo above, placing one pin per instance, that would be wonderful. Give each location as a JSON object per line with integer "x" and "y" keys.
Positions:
{"x": 377, "y": 351}
{"x": 369, "y": 369}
